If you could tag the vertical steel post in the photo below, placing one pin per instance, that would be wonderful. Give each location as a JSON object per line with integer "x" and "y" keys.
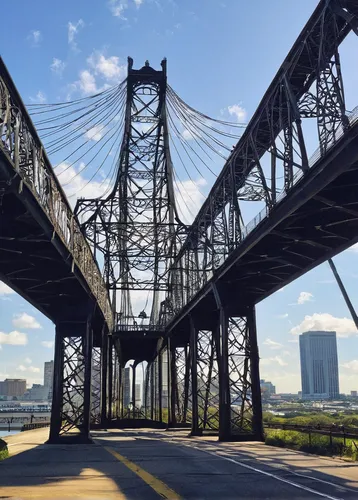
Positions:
{"x": 160, "y": 386}
{"x": 104, "y": 360}
{"x": 194, "y": 377}
{"x": 134, "y": 367}
{"x": 152, "y": 391}
{"x": 224, "y": 386}
{"x": 87, "y": 352}
{"x": 173, "y": 385}
{"x": 110, "y": 377}
{"x": 57, "y": 394}
{"x": 169, "y": 384}
{"x": 257, "y": 424}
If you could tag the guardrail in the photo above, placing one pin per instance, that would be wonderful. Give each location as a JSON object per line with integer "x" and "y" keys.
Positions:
{"x": 34, "y": 425}
{"x": 338, "y": 431}
{"x": 24, "y": 150}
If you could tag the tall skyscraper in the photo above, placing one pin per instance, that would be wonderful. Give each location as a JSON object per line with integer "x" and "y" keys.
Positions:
{"x": 319, "y": 365}
{"x": 126, "y": 388}
{"x": 48, "y": 378}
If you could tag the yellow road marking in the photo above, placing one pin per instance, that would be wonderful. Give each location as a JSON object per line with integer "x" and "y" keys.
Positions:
{"x": 156, "y": 484}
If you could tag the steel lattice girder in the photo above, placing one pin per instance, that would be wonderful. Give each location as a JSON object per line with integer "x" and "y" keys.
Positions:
{"x": 309, "y": 84}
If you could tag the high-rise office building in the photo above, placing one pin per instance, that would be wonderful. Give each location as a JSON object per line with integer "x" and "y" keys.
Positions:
{"x": 319, "y": 365}
{"x": 48, "y": 378}
{"x": 126, "y": 388}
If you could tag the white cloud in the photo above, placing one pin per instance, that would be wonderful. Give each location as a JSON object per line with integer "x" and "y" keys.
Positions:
{"x": 13, "y": 338}
{"x": 32, "y": 369}
{"x": 73, "y": 30}
{"x": 77, "y": 185}
{"x": 354, "y": 248}
{"x": 238, "y": 111}
{"x": 108, "y": 68}
{"x": 188, "y": 135}
{"x": 25, "y": 321}
{"x": 304, "y": 297}
{"x": 87, "y": 82}
{"x": 189, "y": 198}
{"x": 282, "y": 289}
{"x": 5, "y": 290}
{"x": 48, "y": 343}
{"x": 117, "y": 7}
{"x": 352, "y": 366}
{"x": 272, "y": 344}
{"x": 294, "y": 341}
{"x": 95, "y": 133}
{"x": 277, "y": 360}
{"x": 344, "y": 327}
{"x": 57, "y": 66}
{"x": 40, "y": 98}
{"x": 35, "y": 37}
{"x": 282, "y": 316}
{"x": 138, "y": 3}
{"x": 28, "y": 361}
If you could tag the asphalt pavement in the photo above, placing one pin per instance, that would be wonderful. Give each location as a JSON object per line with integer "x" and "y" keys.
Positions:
{"x": 147, "y": 464}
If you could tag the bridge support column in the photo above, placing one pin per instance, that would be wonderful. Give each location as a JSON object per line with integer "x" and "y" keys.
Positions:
{"x": 160, "y": 386}
{"x": 96, "y": 385}
{"x": 110, "y": 379}
{"x": 104, "y": 359}
{"x": 134, "y": 369}
{"x": 194, "y": 378}
{"x": 71, "y": 405}
{"x": 257, "y": 424}
{"x": 240, "y": 409}
{"x": 172, "y": 384}
{"x": 222, "y": 336}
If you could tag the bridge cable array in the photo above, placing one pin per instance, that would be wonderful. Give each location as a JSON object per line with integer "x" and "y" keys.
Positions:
{"x": 88, "y": 131}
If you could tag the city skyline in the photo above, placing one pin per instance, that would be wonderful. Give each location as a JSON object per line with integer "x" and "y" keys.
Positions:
{"x": 45, "y": 388}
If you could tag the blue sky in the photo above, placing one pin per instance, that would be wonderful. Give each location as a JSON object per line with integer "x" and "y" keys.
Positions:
{"x": 222, "y": 55}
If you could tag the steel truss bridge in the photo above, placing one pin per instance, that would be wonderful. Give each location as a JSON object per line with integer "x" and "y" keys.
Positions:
{"x": 199, "y": 340}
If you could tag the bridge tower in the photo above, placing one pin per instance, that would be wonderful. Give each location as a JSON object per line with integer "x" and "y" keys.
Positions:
{"x": 133, "y": 235}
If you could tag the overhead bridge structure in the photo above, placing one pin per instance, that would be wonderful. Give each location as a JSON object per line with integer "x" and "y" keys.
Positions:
{"x": 197, "y": 330}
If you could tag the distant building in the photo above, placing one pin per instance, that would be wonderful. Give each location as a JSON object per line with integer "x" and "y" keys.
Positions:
{"x": 267, "y": 388}
{"x": 37, "y": 392}
{"x": 126, "y": 388}
{"x": 48, "y": 378}
{"x": 165, "y": 398}
{"x": 354, "y": 394}
{"x": 319, "y": 365}
{"x": 138, "y": 399}
{"x": 13, "y": 387}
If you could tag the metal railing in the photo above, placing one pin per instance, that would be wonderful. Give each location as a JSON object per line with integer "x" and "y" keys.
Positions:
{"x": 23, "y": 148}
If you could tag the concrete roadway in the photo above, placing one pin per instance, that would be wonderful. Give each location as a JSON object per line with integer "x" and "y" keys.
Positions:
{"x": 150, "y": 465}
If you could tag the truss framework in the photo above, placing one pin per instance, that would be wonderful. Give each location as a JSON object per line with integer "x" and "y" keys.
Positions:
{"x": 271, "y": 155}
{"x": 134, "y": 227}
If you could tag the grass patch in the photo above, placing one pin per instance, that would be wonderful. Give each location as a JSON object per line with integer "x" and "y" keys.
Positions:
{"x": 4, "y": 452}
{"x": 319, "y": 445}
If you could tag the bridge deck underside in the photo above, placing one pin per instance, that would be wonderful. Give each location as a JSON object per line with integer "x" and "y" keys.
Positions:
{"x": 35, "y": 262}
{"x": 313, "y": 223}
